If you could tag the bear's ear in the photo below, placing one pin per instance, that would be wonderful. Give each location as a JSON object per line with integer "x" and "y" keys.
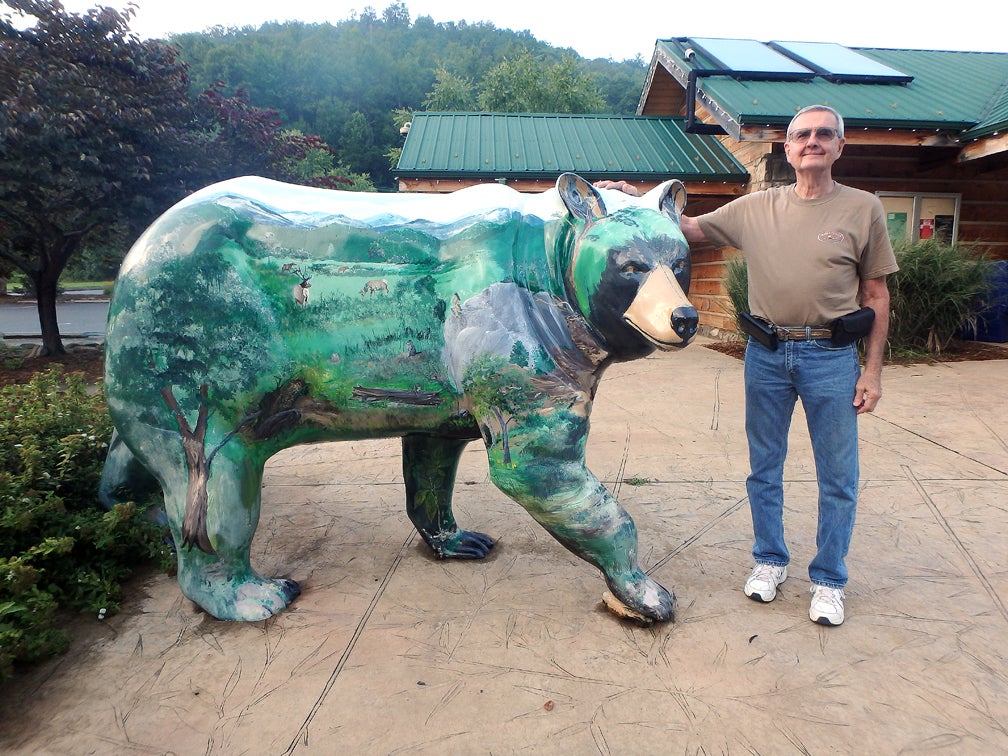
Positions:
{"x": 581, "y": 198}
{"x": 673, "y": 199}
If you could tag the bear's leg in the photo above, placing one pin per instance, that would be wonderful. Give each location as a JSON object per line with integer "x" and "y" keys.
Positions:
{"x": 224, "y": 583}
{"x": 124, "y": 477}
{"x": 576, "y": 509}
{"x": 429, "y": 466}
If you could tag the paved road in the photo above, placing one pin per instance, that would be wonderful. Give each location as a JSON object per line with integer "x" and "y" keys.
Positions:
{"x": 77, "y": 318}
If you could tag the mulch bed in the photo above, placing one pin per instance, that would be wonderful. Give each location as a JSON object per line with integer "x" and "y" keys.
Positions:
{"x": 19, "y": 364}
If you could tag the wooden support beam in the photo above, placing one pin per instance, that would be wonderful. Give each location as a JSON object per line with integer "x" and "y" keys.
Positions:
{"x": 983, "y": 148}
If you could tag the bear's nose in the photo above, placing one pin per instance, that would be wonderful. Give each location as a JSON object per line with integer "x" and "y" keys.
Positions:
{"x": 684, "y": 323}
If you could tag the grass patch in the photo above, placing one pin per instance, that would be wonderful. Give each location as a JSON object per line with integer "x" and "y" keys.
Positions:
{"x": 636, "y": 481}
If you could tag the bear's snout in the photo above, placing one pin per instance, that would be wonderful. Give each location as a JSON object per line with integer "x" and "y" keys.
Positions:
{"x": 684, "y": 323}
{"x": 661, "y": 312}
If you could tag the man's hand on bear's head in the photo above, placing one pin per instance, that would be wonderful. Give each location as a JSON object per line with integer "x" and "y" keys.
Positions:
{"x": 620, "y": 186}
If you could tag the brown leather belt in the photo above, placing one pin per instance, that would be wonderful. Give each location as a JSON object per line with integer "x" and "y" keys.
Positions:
{"x": 802, "y": 333}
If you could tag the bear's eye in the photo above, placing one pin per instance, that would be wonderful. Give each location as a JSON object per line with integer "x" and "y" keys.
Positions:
{"x": 632, "y": 268}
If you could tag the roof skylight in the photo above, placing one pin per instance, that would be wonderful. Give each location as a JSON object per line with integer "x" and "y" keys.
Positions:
{"x": 836, "y": 62}
{"x": 797, "y": 61}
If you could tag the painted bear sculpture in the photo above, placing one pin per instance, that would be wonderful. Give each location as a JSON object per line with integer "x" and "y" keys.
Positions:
{"x": 256, "y": 315}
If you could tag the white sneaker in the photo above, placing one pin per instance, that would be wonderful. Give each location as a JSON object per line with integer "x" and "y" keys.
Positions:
{"x": 827, "y": 605}
{"x": 762, "y": 583}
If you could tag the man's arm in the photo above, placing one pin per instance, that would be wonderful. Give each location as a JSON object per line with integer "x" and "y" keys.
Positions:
{"x": 689, "y": 226}
{"x": 692, "y": 231}
{"x": 874, "y": 294}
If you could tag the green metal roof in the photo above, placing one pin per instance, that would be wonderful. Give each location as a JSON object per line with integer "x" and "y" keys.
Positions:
{"x": 541, "y": 146}
{"x": 962, "y": 92}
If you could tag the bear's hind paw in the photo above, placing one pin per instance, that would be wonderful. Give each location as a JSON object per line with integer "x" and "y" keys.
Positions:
{"x": 249, "y": 600}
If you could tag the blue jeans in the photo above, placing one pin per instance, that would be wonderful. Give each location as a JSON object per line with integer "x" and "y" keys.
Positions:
{"x": 824, "y": 377}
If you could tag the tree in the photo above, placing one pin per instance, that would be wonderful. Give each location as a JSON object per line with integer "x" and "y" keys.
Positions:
{"x": 231, "y": 137}
{"x": 400, "y": 117}
{"x": 526, "y": 84}
{"x": 100, "y": 136}
{"x": 397, "y": 14}
{"x": 502, "y": 389}
{"x": 519, "y": 354}
{"x": 451, "y": 92}
{"x": 571, "y": 89}
{"x": 6, "y": 270}
{"x": 81, "y": 98}
{"x": 357, "y": 143}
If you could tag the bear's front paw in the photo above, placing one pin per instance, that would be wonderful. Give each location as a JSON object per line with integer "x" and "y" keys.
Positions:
{"x": 462, "y": 544}
{"x": 646, "y": 600}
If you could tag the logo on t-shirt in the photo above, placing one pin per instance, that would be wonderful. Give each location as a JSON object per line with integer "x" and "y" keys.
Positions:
{"x": 836, "y": 237}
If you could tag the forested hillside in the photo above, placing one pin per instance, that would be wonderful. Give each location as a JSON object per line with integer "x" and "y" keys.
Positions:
{"x": 354, "y": 82}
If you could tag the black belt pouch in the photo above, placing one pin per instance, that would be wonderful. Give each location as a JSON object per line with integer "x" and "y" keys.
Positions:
{"x": 759, "y": 330}
{"x": 852, "y": 326}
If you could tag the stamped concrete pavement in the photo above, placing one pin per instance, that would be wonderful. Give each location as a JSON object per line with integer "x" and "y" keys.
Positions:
{"x": 390, "y": 651}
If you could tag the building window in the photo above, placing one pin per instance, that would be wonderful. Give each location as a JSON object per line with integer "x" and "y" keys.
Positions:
{"x": 914, "y": 217}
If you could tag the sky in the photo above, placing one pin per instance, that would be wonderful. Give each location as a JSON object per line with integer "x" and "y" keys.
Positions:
{"x": 617, "y": 29}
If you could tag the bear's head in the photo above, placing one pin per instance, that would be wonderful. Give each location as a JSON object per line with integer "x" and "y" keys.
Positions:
{"x": 629, "y": 270}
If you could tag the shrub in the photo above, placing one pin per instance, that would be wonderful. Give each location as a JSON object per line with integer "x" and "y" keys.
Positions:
{"x": 58, "y": 548}
{"x": 737, "y": 285}
{"x": 937, "y": 290}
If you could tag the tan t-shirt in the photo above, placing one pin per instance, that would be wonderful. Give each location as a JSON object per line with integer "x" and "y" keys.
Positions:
{"x": 805, "y": 258}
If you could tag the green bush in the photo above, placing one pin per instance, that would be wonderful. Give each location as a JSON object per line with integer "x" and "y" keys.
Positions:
{"x": 59, "y": 549}
{"x": 737, "y": 285}
{"x": 938, "y": 290}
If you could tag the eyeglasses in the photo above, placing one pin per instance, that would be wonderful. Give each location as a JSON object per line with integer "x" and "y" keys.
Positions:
{"x": 822, "y": 133}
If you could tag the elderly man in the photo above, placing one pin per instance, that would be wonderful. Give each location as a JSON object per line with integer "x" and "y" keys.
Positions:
{"x": 816, "y": 251}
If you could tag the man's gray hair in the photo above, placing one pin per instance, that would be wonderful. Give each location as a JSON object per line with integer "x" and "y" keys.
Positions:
{"x": 826, "y": 108}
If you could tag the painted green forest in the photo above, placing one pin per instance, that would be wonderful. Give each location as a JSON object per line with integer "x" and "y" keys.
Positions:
{"x": 333, "y": 306}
